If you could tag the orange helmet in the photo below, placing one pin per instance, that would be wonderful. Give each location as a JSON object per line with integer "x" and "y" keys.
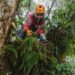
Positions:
{"x": 40, "y": 9}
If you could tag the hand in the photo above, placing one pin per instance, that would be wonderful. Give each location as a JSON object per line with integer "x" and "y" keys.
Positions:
{"x": 29, "y": 32}
{"x": 42, "y": 37}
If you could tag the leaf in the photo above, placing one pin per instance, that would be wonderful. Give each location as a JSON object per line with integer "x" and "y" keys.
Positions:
{"x": 32, "y": 61}
{"x": 10, "y": 48}
{"x": 20, "y": 21}
{"x": 53, "y": 59}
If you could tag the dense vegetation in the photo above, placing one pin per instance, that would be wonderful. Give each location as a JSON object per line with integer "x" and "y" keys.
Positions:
{"x": 28, "y": 57}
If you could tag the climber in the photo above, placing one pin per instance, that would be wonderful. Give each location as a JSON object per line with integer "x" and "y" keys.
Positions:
{"x": 35, "y": 23}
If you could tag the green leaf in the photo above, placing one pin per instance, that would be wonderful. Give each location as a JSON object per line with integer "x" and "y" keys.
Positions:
{"x": 20, "y": 21}
{"x": 10, "y": 48}
{"x": 32, "y": 61}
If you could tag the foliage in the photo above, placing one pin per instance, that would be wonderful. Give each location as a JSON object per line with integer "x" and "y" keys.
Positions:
{"x": 28, "y": 56}
{"x": 61, "y": 32}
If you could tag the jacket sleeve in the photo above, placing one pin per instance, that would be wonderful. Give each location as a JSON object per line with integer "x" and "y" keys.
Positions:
{"x": 39, "y": 31}
{"x": 41, "y": 28}
{"x": 27, "y": 24}
{"x": 25, "y": 27}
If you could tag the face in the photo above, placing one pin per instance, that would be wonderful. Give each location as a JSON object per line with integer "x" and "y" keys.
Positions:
{"x": 39, "y": 15}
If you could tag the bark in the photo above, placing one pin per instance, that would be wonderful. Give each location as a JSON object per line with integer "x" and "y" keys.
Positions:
{"x": 7, "y": 13}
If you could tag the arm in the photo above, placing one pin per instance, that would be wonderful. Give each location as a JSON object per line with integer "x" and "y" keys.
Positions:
{"x": 41, "y": 33}
{"x": 41, "y": 28}
{"x": 26, "y": 26}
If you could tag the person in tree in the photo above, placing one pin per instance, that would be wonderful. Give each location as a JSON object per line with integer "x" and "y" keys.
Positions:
{"x": 35, "y": 23}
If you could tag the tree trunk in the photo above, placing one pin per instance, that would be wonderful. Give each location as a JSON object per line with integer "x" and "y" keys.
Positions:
{"x": 7, "y": 13}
